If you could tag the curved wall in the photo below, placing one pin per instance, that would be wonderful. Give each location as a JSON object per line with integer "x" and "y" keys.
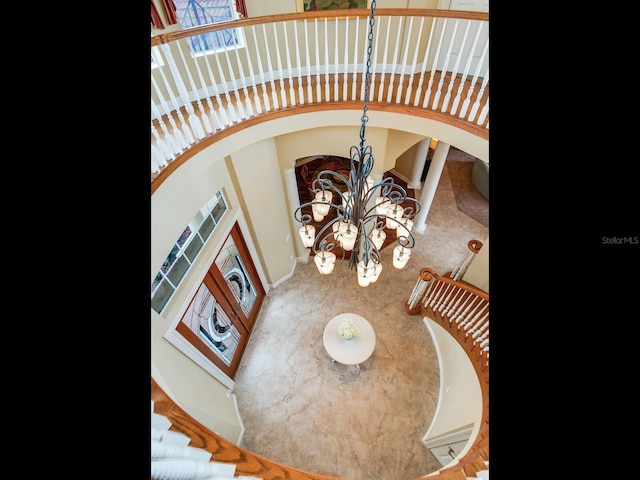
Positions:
{"x": 460, "y": 397}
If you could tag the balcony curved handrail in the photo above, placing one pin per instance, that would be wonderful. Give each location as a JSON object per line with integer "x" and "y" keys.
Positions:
{"x": 426, "y": 63}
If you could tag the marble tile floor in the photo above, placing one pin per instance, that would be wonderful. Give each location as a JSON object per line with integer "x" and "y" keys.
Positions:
{"x": 303, "y": 410}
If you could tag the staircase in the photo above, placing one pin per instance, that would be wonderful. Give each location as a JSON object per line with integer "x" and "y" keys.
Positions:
{"x": 173, "y": 459}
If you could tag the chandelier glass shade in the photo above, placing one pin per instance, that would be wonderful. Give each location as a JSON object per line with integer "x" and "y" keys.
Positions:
{"x": 363, "y": 208}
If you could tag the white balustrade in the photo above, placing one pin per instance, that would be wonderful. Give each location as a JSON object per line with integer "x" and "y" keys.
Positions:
{"x": 198, "y": 99}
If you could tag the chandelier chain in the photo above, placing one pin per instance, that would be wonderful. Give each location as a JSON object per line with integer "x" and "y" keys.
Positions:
{"x": 367, "y": 77}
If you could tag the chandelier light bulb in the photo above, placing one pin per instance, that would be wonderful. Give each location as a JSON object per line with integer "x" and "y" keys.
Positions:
{"x": 395, "y": 212}
{"x": 378, "y": 237}
{"x": 365, "y": 274}
{"x": 401, "y": 256}
{"x": 381, "y": 205}
{"x": 325, "y": 261}
{"x": 348, "y": 237}
{"x": 322, "y": 208}
{"x": 308, "y": 235}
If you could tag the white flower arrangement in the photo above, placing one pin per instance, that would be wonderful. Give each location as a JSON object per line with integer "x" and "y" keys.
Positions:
{"x": 348, "y": 329}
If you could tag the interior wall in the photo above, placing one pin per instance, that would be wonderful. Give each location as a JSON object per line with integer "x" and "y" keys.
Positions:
{"x": 460, "y": 399}
{"x": 262, "y": 195}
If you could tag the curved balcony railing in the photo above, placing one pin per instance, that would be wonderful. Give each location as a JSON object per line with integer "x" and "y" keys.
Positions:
{"x": 427, "y": 63}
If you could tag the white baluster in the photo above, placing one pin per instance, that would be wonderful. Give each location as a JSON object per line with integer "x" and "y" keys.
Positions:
{"x": 345, "y": 77}
{"x": 176, "y": 132}
{"x": 223, "y": 83}
{"x": 455, "y": 306}
{"x": 298, "y": 64}
{"x": 467, "y": 306}
{"x": 436, "y": 98}
{"x": 425, "y": 61}
{"x": 384, "y": 58}
{"x": 205, "y": 116}
{"x": 354, "y": 77}
{"x": 223, "y": 113}
{"x": 417, "y": 292}
{"x": 476, "y": 104}
{"x": 161, "y": 450}
{"x": 243, "y": 79}
{"x": 468, "y": 321}
{"x": 404, "y": 63}
{"x": 172, "y": 97}
{"x": 465, "y": 103}
{"x": 156, "y": 159}
{"x": 274, "y": 94}
{"x": 454, "y": 73}
{"x": 194, "y": 120}
{"x": 292, "y": 92}
{"x": 428, "y": 294}
{"x": 186, "y": 469}
{"x": 476, "y": 332}
{"x": 308, "y": 62}
{"x": 456, "y": 100}
{"x": 450, "y": 300}
{"x": 434, "y": 66}
{"x": 234, "y": 78}
{"x": 394, "y": 63}
{"x": 336, "y": 61}
{"x": 163, "y": 146}
{"x": 283, "y": 93}
{"x": 436, "y": 293}
{"x": 318, "y": 87}
{"x": 326, "y": 61}
{"x": 414, "y": 65}
{"x": 265, "y": 95}
{"x": 254, "y": 80}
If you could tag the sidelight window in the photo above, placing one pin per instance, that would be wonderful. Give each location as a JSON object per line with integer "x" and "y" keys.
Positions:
{"x": 185, "y": 251}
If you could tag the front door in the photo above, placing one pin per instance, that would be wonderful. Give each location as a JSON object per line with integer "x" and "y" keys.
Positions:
{"x": 222, "y": 313}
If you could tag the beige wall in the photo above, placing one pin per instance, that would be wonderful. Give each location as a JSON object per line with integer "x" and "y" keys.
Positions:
{"x": 460, "y": 399}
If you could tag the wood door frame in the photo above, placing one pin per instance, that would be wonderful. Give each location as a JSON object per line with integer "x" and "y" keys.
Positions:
{"x": 174, "y": 337}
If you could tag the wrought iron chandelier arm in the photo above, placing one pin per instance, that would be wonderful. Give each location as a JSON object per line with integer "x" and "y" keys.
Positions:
{"x": 410, "y": 211}
{"x": 321, "y": 242}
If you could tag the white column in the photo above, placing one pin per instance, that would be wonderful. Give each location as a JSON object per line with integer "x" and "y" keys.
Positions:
{"x": 418, "y": 163}
{"x": 294, "y": 203}
{"x": 430, "y": 184}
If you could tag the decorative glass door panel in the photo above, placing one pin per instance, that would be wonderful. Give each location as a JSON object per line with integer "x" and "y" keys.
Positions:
{"x": 209, "y": 326}
{"x": 218, "y": 321}
{"x": 236, "y": 275}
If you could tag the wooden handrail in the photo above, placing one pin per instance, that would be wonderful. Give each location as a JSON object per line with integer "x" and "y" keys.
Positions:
{"x": 222, "y": 450}
{"x": 479, "y": 450}
{"x": 319, "y": 14}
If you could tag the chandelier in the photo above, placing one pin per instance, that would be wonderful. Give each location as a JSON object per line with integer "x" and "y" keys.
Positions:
{"x": 365, "y": 212}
